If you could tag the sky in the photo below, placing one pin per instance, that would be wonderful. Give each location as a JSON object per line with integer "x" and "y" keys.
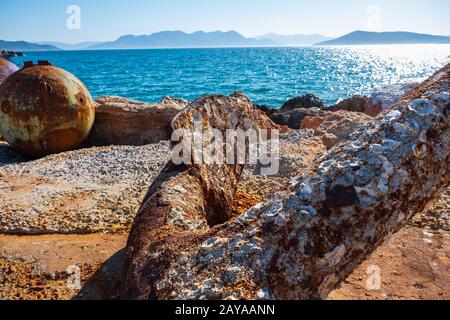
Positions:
{"x": 105, "y": 20}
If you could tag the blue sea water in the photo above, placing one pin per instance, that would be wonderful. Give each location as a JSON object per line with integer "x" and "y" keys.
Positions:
{"x": 268, "y": 75}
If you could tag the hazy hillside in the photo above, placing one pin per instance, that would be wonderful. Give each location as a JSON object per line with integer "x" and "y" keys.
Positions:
{"x": 70, "y": 46}
{"x": 368, "y": 38}
{"x": 179, "y": 39}
{"x": 294, "y": 40}
{"x": 25, "y": 46}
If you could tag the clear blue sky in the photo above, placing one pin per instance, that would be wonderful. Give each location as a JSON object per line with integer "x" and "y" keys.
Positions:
{"x": 45, "y": 20}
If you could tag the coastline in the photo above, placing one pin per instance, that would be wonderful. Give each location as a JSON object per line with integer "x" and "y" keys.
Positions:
{"x": 108, "y": 205}
{"x": 10, "y": 54}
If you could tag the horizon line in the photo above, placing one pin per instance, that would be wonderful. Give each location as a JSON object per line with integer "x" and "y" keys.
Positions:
{"x": 198, "y": 31}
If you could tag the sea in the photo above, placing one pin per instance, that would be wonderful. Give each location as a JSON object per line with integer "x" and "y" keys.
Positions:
{"x": 269, "y": 76}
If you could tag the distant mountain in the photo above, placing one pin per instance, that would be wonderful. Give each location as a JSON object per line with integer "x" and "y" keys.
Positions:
{"x": 25, "y": 46}
{"x": 368, "y": 38}
{"x": 70, "y": 46}
{"x": 294, "y": 40}
{"x": 179, "y": 39}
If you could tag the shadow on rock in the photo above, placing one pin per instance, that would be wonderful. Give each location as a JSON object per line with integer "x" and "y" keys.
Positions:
{"x": 10, "y": 156}
{"x": 105, "y": 283}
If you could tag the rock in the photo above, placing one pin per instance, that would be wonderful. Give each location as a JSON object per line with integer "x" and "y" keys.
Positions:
{"x": 436, "y": 217}
{"x": 303, "y": 242}
{"x": 121, "y": 121}
{"x": 187, "y": 198}
{"x": 355, "y": 104}
{"x": 44, "y": 110}
{"x": 306, "y": 102}
{"x": 294, "y": 118}
{"x": 38, "y": 260}
{"x": 333, "y": 127}
{"x": 267, "y": 110}
{"x": 101, "y": 259}
{"x": 172, "y": 100}
{"x": 7, "y": 54}
{"x": 82, "y": 191}
{"x": 298, "y": 150}
{"x": 386, "y": 96}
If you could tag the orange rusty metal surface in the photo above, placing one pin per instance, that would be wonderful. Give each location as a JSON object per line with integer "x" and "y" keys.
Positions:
{"x": 6, "y": 69}
{"x": 45, "y": 110}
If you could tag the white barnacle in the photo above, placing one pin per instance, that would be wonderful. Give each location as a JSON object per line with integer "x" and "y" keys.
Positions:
{"x": 364, "y": 175}
{"x": 401, "y": 129}
{"x": 393, "y": 116}
{"x": 420, "y": 151}
{"x": 161, "y": 285}
{"x": 355, "y": 145}
{"x": 272, "y": 212}
{"x": 414, "y": 125}
{"x": 377, "y": 148}
{"x": 294, "y": 272}
{"x": 291, "y": 202}
{"x": 175, "y": 214}
{"x": 306, "y": 190}
{"x": 388, "y": 167}
{"x": 326, "y": 166}
{"x": 383, "y": 184}
{"x": 211, "y": 243}
{"x": 396, "y": 182}
{"x": 366, "y": 195}
{"x": 422, "y": 107}
{"x": 311, "y": 210}
{"x": 182, "y": 259}
{"x": 348, "y": 164}
{"x": 252, "y": 231}
{"x": 263, "y": 294}
{"x": 236, "y": 242}
{"x": 334, "y": 257}
{"x": 390, "y": 144}
{"x": 252, "y": 213}
{"x": 428, "y": 94}
{"x": 232, "y": 275}
{"x": 207, "y": 283}
{"x": 176, "y": 217}
{"x": 281, "y": 219}
{"x": 231, "y": 297}
{"x": 179, "y": 189}
{"x": 442, "y": 97}
{"x": 250, "y": 247}
{"x": 423, "y": 137}
{"x": 346, "y": 179}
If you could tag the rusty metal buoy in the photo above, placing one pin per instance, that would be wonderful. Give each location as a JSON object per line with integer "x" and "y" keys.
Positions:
{"x": 44, "y": 110}
{"x": 6, "y": 69}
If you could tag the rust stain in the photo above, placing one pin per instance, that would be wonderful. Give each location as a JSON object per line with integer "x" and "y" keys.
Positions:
{"x": 45, "y": 110}
{"x": 63, "y": 139}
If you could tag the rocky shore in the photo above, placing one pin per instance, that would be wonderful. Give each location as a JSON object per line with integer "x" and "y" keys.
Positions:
{"x": 5, "y": 54}
{"x": 77, "y": 208}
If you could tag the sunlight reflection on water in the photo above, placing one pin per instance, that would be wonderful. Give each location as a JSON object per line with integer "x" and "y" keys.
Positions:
{"x": 268, "y": 75}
